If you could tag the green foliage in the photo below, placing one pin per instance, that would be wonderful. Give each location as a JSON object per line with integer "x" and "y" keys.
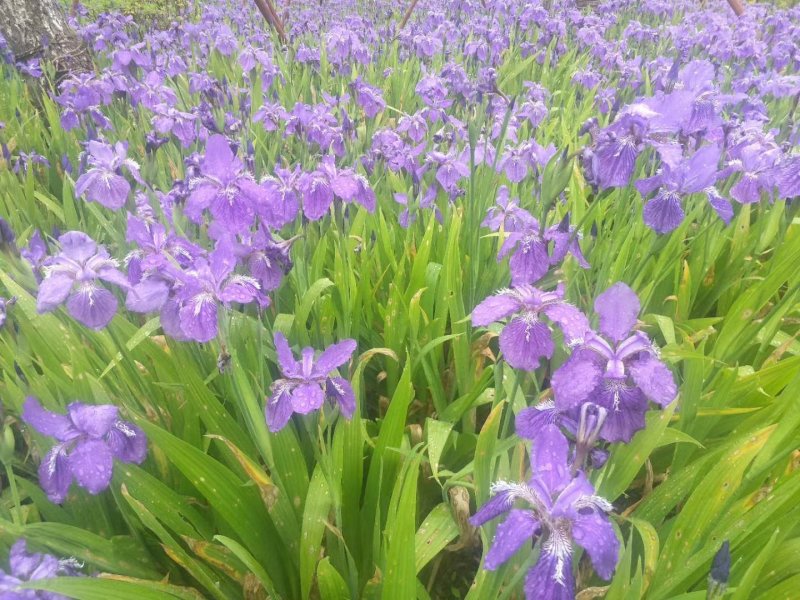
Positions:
{"x": 362, "y": 509}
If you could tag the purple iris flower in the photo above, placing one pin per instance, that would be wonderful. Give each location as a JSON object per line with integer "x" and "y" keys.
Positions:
{"x": 74, "y": 276}
{"x": 328, "y": 182}
{"x": 182, "y": 125}
{"x": 193, "y": 312}
{"x": 561, "y": 510}
{"x": 758, "y": 163}
{"x": 103, "y": 182}
{"x": 281, "y": 203}
{"x": 533, "y": 251}
{"x": 89, "y": 438}
{"x": 526, "y": 338}
{"x": 27, "y": 566}
{"x": 618, "y": 370}
{"x": 307, "y": 382}
{"x": 698, "y": 173}
{"x": 506, "y": 214}
{"x": 450, "y": 168}
{"x": 368, "y": 97}
{"x": 224, "y": 188}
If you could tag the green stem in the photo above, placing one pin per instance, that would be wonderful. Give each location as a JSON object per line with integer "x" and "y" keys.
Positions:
{"x": 12, "y": 483}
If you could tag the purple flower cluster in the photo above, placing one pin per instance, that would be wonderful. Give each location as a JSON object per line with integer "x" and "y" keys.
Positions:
{"x": 601, "y": 394}
{"x": 698, "y": 137}
{"x": 89, "y": 438}
{"x": 24, "y": 566}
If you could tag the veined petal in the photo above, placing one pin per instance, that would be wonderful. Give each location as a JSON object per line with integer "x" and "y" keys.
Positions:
{"x": 664, "y": 213}
{"x": 524, "y": 341}
{"x": 279, "y": 409}
{"x": 92, "y": 305}
{"x": 519, "y": 527}
{"x": 128, "y": 442}
{"x": 55, "y": 475}
{"x": 531, "y": 420}
{"x": 529, "y": 263}
{"x": 198, "y": 318}
{"x": 340, "y": 391}
{"x": 626, "y": 407}
{"x": 551, "y": 577}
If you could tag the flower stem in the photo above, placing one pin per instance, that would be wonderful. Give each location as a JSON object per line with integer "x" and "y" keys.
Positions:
{"x": 12, "y": 484}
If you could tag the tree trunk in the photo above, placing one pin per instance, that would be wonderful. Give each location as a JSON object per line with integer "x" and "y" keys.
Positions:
{"x": 39, "y": 29}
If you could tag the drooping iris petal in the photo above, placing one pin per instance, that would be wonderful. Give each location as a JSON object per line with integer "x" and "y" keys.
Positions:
{"x": 618, "y": 308}
{"x": 317, "y": 199}
{"x": 524, "y": 341}
{"x": 47, "y": 423}
{"x": 279, "y": 408}
{"x": 93, "y": 420}
{"x": 307, "y": 397}
{"x": 594, "y": 533}
{"x": 626, "y": 408}
{"x": 747, "y": 189}
{"x": 53, "y": 291}
{"x": 128, "y": 442}
{"x": 333, "y": 357}
{"x": 664, "y": 213}
{"x": 530, "y": 421}
{"x": 494, "y": 308}
{"x": 198, "y": 318}
{"x": 92, "y": 463}
{"x": 551, "y": 577}
{"x": 574, "y": 381}
{"x": 517, "y": 528}
{"x": 171, "y": 320}
{"x": 92, "y": 305}
{"x": 104, "y": 187}
{"x": 55, "y": 475}
{"x": 654, "y": 379}
{"x": 721, "y": 206}
{"x": 340, "y": 391}
{"x": 530, "y": 262}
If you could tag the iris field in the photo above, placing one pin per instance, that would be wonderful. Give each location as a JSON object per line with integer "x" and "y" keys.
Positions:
{"x": 501, "y": 301}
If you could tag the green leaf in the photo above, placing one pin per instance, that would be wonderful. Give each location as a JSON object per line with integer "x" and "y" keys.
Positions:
{"x": 318, "y": 504}
{"x": 436, "y": 532}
